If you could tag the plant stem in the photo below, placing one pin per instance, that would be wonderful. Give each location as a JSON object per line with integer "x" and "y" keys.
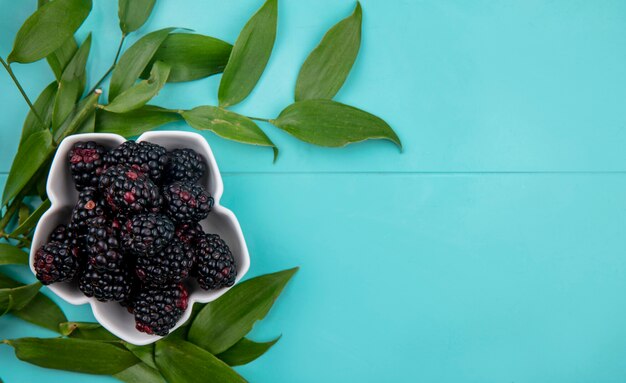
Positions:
{"x": 11, "y": 210}
{"x": 117, "y": 56}
{"x": 259, "y": 119}
{"x": 19, "y": 87}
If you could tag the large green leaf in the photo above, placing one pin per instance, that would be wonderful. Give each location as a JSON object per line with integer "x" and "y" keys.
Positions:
{"x": 140, "y": 373}
{"x": 43, "y": 105}
{"x": 192, "y": 56}
{"x": 48, "y": 29}
{"x": 71, "y": 85}
{"x": 86, "y": 330}
{"x": 30, "y": 156}
{"x": 76, "y": 120}
{"x": 139, "y": 94}
{"x": 228, "y": 125}
{"x": 245, "y": 351}
{"x": 16, "y": 298}
{"x": 90, "y": 357}
{"x": 133, "y": 14}
{"x": 134, "y": 123}
{"x": 182, "y": 362}
{"x": 250, "y": 55}
{"x": 59, "y": 59}
{"x": 134, "y": 60}
{"x": 329, "y": 123}
{"x": 11, "y": 255}
{"x": 223, "y": 322}
{"x": 144, "y": 353}
{"x": 31, "y": 221}
{"x": 327, "y": 67}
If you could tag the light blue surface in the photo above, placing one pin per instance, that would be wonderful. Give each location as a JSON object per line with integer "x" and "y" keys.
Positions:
{"x": 455, "y": 261}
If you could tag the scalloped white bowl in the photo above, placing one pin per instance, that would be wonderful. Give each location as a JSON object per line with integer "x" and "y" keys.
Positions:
{"x": 63, "y": 197}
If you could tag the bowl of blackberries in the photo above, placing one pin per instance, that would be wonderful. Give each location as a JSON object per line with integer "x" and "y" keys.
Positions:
{"x": 136, "y": 230}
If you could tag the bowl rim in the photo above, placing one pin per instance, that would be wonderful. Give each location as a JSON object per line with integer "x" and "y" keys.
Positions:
{"x": 57, "y": 206}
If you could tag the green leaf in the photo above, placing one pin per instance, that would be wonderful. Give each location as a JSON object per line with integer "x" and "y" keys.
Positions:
{"x": 11, "y": 255}
{"x": 47, "y": 29}
{"x": 89, "y": 125}
{"x": 329, "y": 123}
{"x": 59, "y": 59}
{"x": 81, "y": 113}
{"x": 139, "y": 94}
{"x": 182, "y": 362}
{"x": 71, "y": 85}
{"x": 223, "y": 322}
{"x": 134, "y": 123}
{"x": 20, "y": 296}
{"x": 144, "y": 353}
{"x": 327, "y": 67}
{"x": 30, "y": 156}
{"x": 86, "y": 330}
{"x": 249, "y": 56}
{"x": 133, "y": 14}
{"x": 23, "y": 213}
{"x": 78, "y": 355}
{"x": 43, "y": 105}
{"x": 191, "y": 56}
{"x": 31, "y": 221}
{"x": 245, "y": 351}
{"x": 140, "y": 373}
{"x": 229, "y": 125}
{"x": 134, "y": 60}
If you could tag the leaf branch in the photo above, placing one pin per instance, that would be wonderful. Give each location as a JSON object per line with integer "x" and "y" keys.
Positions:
{"x": 108, "y": 72}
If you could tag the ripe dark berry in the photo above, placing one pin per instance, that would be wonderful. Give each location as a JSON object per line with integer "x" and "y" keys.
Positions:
{"x": 146, "y": 157}
{"x": 103, "y": 247}
{"x": 86, "y": 163}
{"x": 187, "y": 202}
{"x": 130, "y": 192}
{"x": 59, "y": 234}
{"x": 105, "y": 285}
{"x": 185, "y": 165}
{"x": 56, "y": 262}
{"x": 171, "y": 264}
{"x": 188, "y": 232}
{"x": 89, "y": 205}
{"x": 214, "y": 263}
{"x": 157, "y": 309}
{"x": 147, "y": 232}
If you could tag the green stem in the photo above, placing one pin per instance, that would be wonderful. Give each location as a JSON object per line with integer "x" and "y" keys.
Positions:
{"x": 19, "y": 87}
{"x": 117, "y": 56}
{"x": 11, "y": 210}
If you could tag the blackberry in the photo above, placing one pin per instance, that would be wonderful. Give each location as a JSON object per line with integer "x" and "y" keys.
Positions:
{"x": 171, "y": 264}
{"x": 86, "y": 163}
{"x": 187, "y": 202}
{"x": 188, "y": 232}
{"x": 103, "y": 245}
{"x": 56, "y": 262}
{"x": 146, "y": 157}
{"x": 105, "y": 285}
{"x": 157, "y": 309}
{"x": 129, "y": 191}
{"x": 59, "y": 234}
{"x": 214, "y": 263}
{"x": 147, "y": 232}
{"x": 185, "y": 165}
{"x": 89, "y": 205}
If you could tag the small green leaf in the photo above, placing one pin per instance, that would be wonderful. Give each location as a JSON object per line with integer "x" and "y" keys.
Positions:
{"x": 182, "y": 362}
{"x": 78, "y": 355}
{"x": 245, "y": 351}
{"x": 134, "y": 123}
{"x": 133, "y": 14}
{"x": 43, "y": 105}
{"x": 30, "y": 156}
{"x": 31, "y": 221}
{"x": 48, "y": 29}
{"x": 11, "y": 255}
{"x": 327, "y": 67}
{"x": 229, "y": 125}
{"x": 140, "y": 373}
{"x": 191, "y": 56}
{"x": 329, "y": 123}
{"x": 134, "y": 60}
{"x": 139, "y": 94}
{"x": 86, "y": 330}
{"x": 81, "y": 112}
{"x": 20, "y": 296}
{"x": 59, "y": 59}
{"x": 250, "y": 55}
{"x": 223, "y": 322}
{"x": 23, "y": 213}
{"x": 144, "y": 353}
{"x": 71, "y": 85}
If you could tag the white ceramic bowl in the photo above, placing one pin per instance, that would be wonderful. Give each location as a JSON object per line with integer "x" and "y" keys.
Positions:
{"x": 63, "y": 197}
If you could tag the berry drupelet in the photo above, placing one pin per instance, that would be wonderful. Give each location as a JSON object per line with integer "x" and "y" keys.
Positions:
{"x": 185, "y": 165}
{"x": 103, "y": 247}
{"x": 146, "y": 157}
{"x": 157, "y": 309}
{"x": 170, "y": 264}
{"x": 89, "y": 205}
{"x": 56, "y": 262}
{"x": 147, "y": 232}
{"x": 188, "y": 232}
{"x": 86, "y": 163}
{"x": 214, "y": 263}
{"x": 129, "y": 191}
{"x": 105, "y": 285}
{"x": 186, "y": 202}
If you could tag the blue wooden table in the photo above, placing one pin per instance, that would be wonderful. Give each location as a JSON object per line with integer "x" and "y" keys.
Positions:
{"x": 492, "y": 250}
